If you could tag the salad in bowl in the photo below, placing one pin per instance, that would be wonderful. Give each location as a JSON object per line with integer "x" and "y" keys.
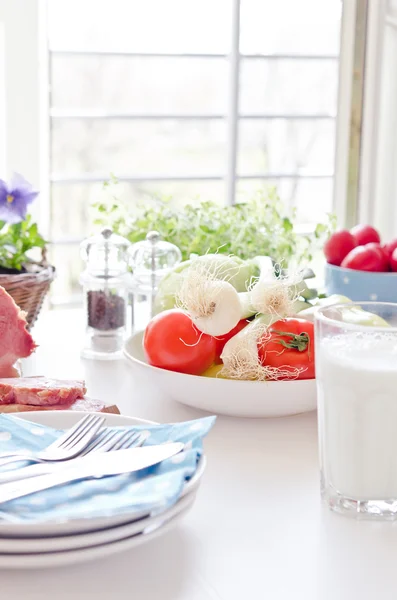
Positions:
{"x": 232, "y": 347}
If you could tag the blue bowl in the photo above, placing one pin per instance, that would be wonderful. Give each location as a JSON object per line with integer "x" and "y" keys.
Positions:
{"x": 361, "y": 285}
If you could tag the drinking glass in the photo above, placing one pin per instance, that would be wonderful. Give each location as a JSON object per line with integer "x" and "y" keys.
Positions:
{"x": 356, "y": 372}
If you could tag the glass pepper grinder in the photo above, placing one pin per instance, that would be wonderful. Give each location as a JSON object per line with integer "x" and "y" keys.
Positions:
{"x": 105, "y": 282}
{"x": 150, "y": 260}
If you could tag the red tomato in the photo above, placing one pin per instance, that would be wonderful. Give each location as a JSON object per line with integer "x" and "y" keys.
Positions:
{"x": 363, "y": 258}
{"x": 338, "y": 246}
{"x": 364, "y": 234}
{"x": 171, "y": 341}
{"x": 382, "y": 253}
{"x": 290, "y": 347}
{"x": 221, "y": 341}
{"x": 393, "y": 260}
{"x": 390, "y": 247}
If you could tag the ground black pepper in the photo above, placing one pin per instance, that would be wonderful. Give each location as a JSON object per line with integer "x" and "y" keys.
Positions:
{"x": 106, "y": 311}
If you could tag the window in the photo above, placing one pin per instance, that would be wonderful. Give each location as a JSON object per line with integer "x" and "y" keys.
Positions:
{"x": 194, "y": 100}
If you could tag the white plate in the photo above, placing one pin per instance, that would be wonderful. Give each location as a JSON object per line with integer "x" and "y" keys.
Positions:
{"x": 68, "y": 557}
{"x": 63, "y": 420}
{"x": 226, "y": 396}
{"x": 94, "y": 538}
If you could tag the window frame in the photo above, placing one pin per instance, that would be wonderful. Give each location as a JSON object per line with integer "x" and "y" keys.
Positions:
{"x": 32, "y": 59}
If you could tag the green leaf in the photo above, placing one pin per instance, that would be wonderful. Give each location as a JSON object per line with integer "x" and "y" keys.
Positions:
{"x": 260, "y": 225}
{"x": 287, "y": 224}
{"x": 17, "y": 240}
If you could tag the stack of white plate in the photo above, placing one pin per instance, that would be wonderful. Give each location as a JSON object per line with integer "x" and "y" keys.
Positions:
{"x": 50, "y": 544}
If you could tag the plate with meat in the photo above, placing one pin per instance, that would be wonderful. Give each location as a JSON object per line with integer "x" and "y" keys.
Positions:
{"x": 22, "y": 394}
{"x": 15, "y": 340}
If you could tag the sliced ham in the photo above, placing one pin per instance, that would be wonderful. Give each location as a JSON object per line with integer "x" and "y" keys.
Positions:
{"x": 10, "y": 372}
{"x": 20, "y": 394}
{"x": 25, "y": 394}
{"x": 40, "y": 391}
{"x": 84, "y": 405}
{"x": 15, "y": 340}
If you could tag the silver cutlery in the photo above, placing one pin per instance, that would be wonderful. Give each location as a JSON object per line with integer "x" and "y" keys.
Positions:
{"x": 67, "y": 446}
{"x": 115, "y": 440}
{"x": 109, "y": 463}
{"x": 105, "y": 441}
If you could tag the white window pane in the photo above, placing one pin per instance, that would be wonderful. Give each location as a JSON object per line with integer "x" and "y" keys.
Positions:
{"x": 138, "y": 84}
{"x": 290, "y": 26}
{"x": 69, "y": 267}
{"x": 180, "y": 192}
{"x": 133, "y": 147}
{"x": 70, "y": 210}
{"x": 72, "y": 216}
{"x": 288, "y": 86}
{"x": 286, "y": 146}
{"x": 176, "y": 26}
{"x": 311, "y": 197}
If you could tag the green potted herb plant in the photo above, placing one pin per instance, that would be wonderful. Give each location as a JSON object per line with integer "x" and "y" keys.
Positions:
{"x": 24, "y": 271}
{"x": 260, "y": 226}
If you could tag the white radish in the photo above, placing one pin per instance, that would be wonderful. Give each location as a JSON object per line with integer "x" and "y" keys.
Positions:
{"x": 276, "y": 296}
{"x": 247, "y": 310}
{"x": 240, "y": 354}
{"x": 213, "y": 304}
{"x": 218, "y": 310}
{"x": 215, "y": 307}
{"x": 266, "y": 268}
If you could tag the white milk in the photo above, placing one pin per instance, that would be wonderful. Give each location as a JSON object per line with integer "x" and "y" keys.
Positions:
{"x": 357, "y": 384}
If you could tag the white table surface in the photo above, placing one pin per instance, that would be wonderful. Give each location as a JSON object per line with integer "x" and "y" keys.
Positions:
{"x": 257, "y": 530}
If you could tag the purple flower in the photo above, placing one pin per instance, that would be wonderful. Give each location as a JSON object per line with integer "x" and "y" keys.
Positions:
{"x": 15, "y": 198}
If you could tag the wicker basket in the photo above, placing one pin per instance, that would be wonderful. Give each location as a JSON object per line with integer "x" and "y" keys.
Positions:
{"x": 29, "y": 289}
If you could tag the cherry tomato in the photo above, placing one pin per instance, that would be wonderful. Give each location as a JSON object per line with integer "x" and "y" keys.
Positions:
{"x": 382, "y": 253}
{"x": 393, "y": 260}
{"x": 221, "y": 341}
{"x": 172, "y": 341}
{"x": 363, "y": 258}
{"x": 390, "y": 247}
{"x": 338, "y": 246}
{"x": 290, "y": 347}
{"x": 364, "y": 234}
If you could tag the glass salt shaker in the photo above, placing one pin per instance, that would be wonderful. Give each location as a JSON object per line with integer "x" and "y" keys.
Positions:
{"x": 150, "y": 260}
{"x": 106, "y": 283}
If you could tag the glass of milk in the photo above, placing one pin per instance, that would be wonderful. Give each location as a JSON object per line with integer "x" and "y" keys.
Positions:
{"x": 356, "y": 373}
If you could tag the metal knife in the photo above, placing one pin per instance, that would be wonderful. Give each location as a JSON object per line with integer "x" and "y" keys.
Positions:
{"x": 98, "y": 465}
{"x": 45, "y": 468}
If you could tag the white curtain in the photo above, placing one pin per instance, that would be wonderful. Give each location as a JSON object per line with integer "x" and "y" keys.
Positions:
{"x": 2, "y": 103}
{"x": 375, "y": 128}
{"x": 24, "y": 97}
{"x": 385, "y": 151}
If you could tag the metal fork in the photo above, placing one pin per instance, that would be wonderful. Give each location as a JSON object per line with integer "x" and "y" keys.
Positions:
{"x": 104, "y": 442}
{"x": 115, "y": 440}
{"x": 67, "y": 446}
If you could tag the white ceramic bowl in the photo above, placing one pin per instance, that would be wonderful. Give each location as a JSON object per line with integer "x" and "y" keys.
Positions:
{"x": 226, "y": 396}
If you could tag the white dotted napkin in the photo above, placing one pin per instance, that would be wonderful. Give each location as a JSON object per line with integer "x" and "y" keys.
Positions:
{"x": 151, "y": 490}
